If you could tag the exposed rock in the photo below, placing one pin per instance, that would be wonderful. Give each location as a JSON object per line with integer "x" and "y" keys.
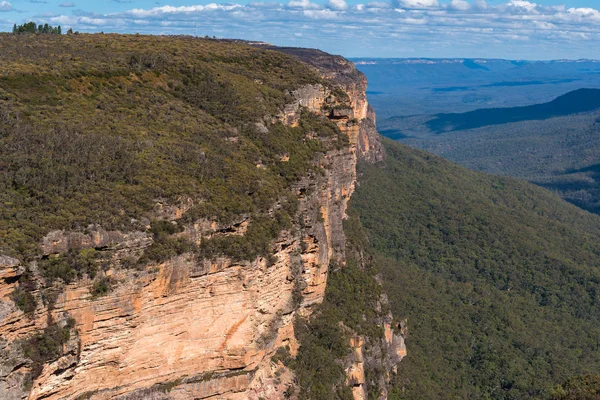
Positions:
{"x": 355, "y": 373}
{"x": 341, "y": 113}
{"x": 13, "y": 370}
{"x": 369, "y": 145}
{"x": 198, "y": 317}
{"x": 310, "y": 97}
{"x": 344, "y": 74}
{"x": 7, "y": 262}
{"x": 94, "y": 237}
{"x": 9, "y": 274}
{"x": 171, "y": 212}
{"x": 378, "y": 355}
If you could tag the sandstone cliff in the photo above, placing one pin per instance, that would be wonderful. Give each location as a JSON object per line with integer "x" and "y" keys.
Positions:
{"x": 197, "y": 328}
{"x": 343, "y": 73}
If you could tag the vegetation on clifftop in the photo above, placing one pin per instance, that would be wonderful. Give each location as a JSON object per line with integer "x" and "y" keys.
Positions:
{"x": 31, "y": 27}
{"x": 578, "y": 388}
{"x": 98, "y": 128}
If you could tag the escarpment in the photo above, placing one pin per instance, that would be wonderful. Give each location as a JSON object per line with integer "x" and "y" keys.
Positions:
{"x": 192, "y": 300}
{"x": 344, "y": 74}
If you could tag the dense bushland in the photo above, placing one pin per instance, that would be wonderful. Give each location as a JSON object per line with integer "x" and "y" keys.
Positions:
{"x": 499, "y": 279}
{"x": 559, "y": 153}
{"x": 578, "y": 101}
{"x": 98, "y": 128}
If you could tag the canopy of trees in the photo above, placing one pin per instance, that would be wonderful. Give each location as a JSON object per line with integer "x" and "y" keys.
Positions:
{"x": 112, "y": 124}
{"x": 499, "y": 279}
{"x": 32, "y": 27}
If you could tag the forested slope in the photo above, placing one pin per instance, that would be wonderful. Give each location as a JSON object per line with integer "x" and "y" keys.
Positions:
{"x": 95, "y": 129}
{"x": 578, "y": 101}
{"x": 499, "y": 279}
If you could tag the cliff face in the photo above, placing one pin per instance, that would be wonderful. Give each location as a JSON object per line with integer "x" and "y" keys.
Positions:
{"x": 191, "y": 328}
{"x": 343, "y": 73}
{"x": 379, "y": 356}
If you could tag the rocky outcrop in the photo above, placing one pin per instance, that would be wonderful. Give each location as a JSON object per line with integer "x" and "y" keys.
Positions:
{"x": 378, "y": 356}
{"x": 197, "y": 328}
{"x": 97, "y": 238}
{"x": 193, "y": 316}
{"x": 344, "y": 74}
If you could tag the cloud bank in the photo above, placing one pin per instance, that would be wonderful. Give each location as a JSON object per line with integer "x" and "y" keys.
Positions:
{"x": 5, "y": 6}
{"x": 514, "y": 29}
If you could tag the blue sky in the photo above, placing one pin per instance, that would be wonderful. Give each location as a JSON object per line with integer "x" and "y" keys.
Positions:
{"x": 513, "y": 29}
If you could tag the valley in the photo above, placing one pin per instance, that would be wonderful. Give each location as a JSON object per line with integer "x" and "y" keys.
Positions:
{"x": 552, "y": 143}
{"x": 498, "y": 278}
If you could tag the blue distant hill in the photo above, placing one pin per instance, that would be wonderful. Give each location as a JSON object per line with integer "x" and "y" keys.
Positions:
{"x": 405, "y": 87}
{"x": 574, "y": 102}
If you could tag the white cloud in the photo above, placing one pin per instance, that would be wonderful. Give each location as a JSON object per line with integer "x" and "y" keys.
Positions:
{"x": 585, "y": 13}
{"x": 544, "y": 25}
{"x": 170, "y": 10}
{"x": 338, "y": 4}
{"x": 461, "y": 5}
{"x": 430, "y": 27}
{"x": 480, "y": 5}
{"x": 522, "y": 6}
{"x": 306, "y": 4}
{"x": 6, "y": 6}
{"x": 417, "y": 3}
{"x": 378, "y": 5}
{"x": 320, "y": 14}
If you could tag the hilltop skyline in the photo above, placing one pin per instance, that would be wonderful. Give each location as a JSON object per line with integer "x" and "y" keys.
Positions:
{"x": 513, "y": 29}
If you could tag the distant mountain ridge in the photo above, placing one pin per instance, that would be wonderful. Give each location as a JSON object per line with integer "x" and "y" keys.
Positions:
{"x": 554, "y": 144}
{"x": 424, "y": 60}
{"x": 577, "y": 101}
{"x": 403, "y": 87}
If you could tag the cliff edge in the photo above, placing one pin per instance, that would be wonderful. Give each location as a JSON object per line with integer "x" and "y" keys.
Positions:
{"x": 184, "y": 300}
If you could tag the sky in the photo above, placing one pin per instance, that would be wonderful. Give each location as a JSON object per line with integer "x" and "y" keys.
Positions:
{"x": 510, "y": 29}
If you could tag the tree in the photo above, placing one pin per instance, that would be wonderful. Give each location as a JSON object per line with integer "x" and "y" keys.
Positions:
{"x": 32, "y": 27}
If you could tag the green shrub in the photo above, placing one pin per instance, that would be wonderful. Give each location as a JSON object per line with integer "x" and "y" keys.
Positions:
{"x": 257, "y": 239}
{"x": 317, "y": 366}
{"x": 165, "y": 247}
{"x": 160, "y": 228}
{"x": 22, "y": 295}
{"x": 24, "y": 300}
{"x": 74, "y": 264}
{"x": 578, "y": 388}
{"x": 46, "y": 345}
{"x": 282, "y": 354}
{"x": 101, "y": 286}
